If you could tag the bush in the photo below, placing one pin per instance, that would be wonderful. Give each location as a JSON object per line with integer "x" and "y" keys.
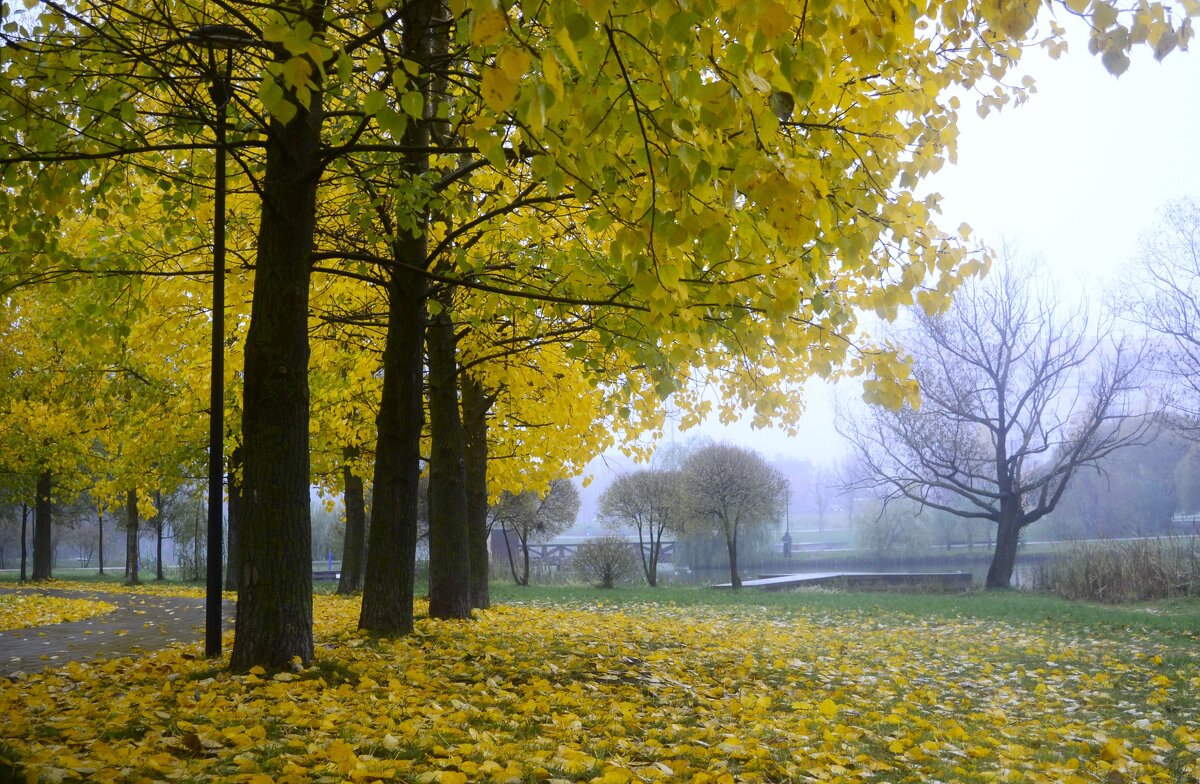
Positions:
{"x": 606, "y": 561}
{"x": 1124, "y": 571}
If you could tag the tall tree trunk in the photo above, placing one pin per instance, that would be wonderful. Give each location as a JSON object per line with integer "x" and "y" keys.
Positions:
{"x": 1004, "y": 558}
{"x": 100, "y": 523}
{"x": 132, "y": 551}
{"x": 449, "y": 553}
{"x": 233, "y": 551}
{"x": 43, "y": 544}
{"x": 158, "y": 536}
{"x": 274, "y": 608}
{"x": 24, "y": 540}
{"x": 392, "y": 539}
{"x": 475, "y": 405}
{"x": 387, "y": 604}
{"x": 354, "y": 545}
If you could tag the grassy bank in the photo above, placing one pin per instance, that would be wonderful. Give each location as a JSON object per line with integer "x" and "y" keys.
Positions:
{"x": 1179, "y": 619}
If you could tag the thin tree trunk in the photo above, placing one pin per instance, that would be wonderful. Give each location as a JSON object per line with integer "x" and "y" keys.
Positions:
{"x": 233, "y": 551}
{"x": 158, "y": 534}
{"x": 24, "y": 540}
{"x": 354, "y": 545}
{"x": 449, "y": 553}
{"x": 100, "y": 523}
{"x": 1004, "y": 558}
{"x": 734, "y": 580}
{"x": 43, "y": 544}
{"x": 132, "y": 551}
{"x": 512, "y": 564}
{"x": 274, "y": 608}
{"x": 525, "y": 559}
{"x": 475, "y": 405}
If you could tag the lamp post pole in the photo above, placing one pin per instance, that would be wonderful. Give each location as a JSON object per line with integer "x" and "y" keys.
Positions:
{"x": 216, "y": 39}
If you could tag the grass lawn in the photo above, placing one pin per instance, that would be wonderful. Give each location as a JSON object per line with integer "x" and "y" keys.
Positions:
{"x": 672, "y": 684}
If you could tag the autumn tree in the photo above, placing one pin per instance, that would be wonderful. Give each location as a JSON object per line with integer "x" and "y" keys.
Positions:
{"x": 727, "y": 490}
{"x": 530, "y": 517}
{"x": 649, "y": 501}
{"x": 745, "y": 176}
{"x": 1017, "y": 396}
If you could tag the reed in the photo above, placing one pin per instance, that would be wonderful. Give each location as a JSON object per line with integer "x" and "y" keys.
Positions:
{"x": 1118, "y": 572}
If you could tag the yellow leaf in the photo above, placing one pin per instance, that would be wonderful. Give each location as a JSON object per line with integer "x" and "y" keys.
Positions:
{"x": 513, "y": 62}
{"x": 774, "y": 20}
{"x": 828, "y": 709}
{"x": 488, "y": 27}
{"x": 297, "y": 71}
{"x": 339, "y": 751}
{"x": 497, "y": 89}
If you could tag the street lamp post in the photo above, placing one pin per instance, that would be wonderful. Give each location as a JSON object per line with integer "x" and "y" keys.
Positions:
{"x": 218, "y": 42}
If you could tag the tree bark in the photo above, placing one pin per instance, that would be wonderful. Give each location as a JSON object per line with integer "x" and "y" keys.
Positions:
{"x": 387, "y": 604}
{"x": 734, "y": 580}
{"x": 24, "y": 541}
{"x": 233, "y": 550}
{"x": 1004, "y": 558}
{"x": 392, "y": 541}
{"x": 100, "y": 523}
{"x": 449, "y": 547}
{"x": 475, "y": 405}
{"x": 132, "y": 551}
{"x": 354, "y": 546}
{"x": 43, "y": 545}
{"x": 274, "y": 608}
{"x": 158, "y": 537}
{"x": 525, "y": 561}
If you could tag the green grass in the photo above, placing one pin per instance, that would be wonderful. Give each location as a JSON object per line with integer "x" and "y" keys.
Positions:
{"x": 1178, "y": 621}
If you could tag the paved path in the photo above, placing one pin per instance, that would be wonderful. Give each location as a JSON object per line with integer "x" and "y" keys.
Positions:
{"x": 141, "y": 623}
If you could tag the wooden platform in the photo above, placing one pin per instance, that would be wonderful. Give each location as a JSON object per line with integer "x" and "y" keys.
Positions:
{"x": 870, "y": 581}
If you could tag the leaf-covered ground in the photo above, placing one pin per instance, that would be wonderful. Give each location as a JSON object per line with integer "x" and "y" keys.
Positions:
{"x": 21, "y": 610}
{"x": 635, "y": 693}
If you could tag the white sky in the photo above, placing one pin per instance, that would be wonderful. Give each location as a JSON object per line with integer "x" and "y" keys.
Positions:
{"x": 1075, "y": 175}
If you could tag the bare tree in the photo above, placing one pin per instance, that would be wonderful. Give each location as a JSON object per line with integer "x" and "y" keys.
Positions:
{"x": 1016, "y": 397}
{"x": 606, "y": 561}
{"x": 529, "y": 517}
{"x": 729, "y": 489}
{"x": 647, "y": 500}
{"x": 1166, "y": 301}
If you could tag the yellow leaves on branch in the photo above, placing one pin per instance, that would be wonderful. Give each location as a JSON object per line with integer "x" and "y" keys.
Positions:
{"x": 22, "y": 610}
{"x": 635, "y": 694}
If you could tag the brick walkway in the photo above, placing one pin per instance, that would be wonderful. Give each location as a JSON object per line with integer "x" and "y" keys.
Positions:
{"x": 140, "y": 623}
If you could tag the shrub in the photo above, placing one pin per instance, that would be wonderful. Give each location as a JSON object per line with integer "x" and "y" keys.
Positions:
{"x": 606, "y": 561}
{"x": 1124, "y": 571}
